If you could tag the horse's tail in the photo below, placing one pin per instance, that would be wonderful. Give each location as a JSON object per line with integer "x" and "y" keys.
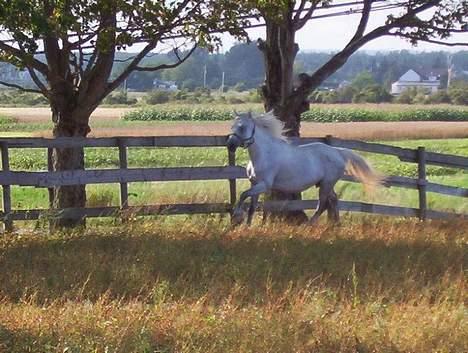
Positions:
{"x": 358, "y": 167}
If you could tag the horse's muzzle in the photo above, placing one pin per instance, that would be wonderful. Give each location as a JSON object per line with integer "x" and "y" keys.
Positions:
{"x": 233, "y": 142}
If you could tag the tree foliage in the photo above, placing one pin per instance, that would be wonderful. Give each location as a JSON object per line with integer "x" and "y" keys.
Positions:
{"x": 79, "y": 40}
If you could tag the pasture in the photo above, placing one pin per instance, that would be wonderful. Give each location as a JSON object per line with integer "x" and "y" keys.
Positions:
{"x": 373, "y": 285}
{"x": 194, "y": 284}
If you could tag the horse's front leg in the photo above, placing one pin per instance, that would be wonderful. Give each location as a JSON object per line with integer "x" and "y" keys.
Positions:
{"x": 254, "y": 191}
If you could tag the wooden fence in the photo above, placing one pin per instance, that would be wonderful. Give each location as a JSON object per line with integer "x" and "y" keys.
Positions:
{"x": 231, "y": 172}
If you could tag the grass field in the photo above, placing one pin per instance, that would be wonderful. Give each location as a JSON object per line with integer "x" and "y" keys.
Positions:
{"x": 172, "y": 286}
{"x": 193, "y": 284}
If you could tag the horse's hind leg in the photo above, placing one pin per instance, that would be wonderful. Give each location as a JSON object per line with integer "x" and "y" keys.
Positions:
{"x": 324, "y": 192}
{"x": 252, "y": 208}
{"x": 332, "y": 212}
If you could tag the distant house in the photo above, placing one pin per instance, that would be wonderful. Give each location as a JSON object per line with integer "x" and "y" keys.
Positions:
{"x": 413, "y": 79}
{"x": 344, "y": 84}
{"x": 164, "y": 85}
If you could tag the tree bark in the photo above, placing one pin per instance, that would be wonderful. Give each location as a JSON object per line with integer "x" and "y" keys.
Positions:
{"x": 69, "y": 121}
{"x": 279, "y": 51}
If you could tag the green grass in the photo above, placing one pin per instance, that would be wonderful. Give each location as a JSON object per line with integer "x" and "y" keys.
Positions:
{"x": 200, "y": 191}
{"x": 175, "y": 286}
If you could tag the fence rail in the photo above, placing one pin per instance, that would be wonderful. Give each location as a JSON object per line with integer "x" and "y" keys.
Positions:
{"x": 231, "y": 172}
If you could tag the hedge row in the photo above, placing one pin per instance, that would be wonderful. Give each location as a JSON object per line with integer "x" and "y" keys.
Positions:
{"x": 179, "y": 114}
{"x": 316, "y": 114}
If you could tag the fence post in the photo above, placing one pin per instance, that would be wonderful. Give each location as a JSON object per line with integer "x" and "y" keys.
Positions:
{"x": 123, "y": 165}
{"x": 50, "y": 168}
{"x": 232, "y": 182}
{"x": 422, "y": 182}
{"x": 8, "y": 223}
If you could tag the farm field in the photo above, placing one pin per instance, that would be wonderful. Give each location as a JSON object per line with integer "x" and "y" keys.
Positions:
{"x": 107, "y": 122}
{"x": 170, "y": 285}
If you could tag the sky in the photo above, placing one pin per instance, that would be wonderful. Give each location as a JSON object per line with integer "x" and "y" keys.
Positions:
{"x": 331, "y": 34}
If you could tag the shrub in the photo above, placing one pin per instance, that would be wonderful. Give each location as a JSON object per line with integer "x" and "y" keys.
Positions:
{"x": 459, "y": 96}
{"x": 254, "y": 96}
{"x": 239, "y": 87}
{"x": 119, "y": 98}
{"x": 157, "y": 97}
{"x": 407, "y": 96}
{"x": 235, "y": 100}
{"x": 22, "y": 98}
{"x": 330, "y": 97}
{"x": 440, "y": 97}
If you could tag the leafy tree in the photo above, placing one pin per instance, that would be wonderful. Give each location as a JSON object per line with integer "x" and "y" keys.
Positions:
{"x": 458, "y": 93}
{"x": 69, "y": 49}
{"x": 363, "y": 80}
{"x": 284, "y": 18}
{"x": 243, "y": 63}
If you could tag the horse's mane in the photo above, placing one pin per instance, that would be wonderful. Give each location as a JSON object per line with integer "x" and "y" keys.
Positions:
{"x": 272, "y": 124}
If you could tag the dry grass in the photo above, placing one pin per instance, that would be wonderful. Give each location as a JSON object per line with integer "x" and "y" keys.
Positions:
{"x": 108, "y": 118}
{"x": 173, "y": 286}
{"x": 355, "y": 130}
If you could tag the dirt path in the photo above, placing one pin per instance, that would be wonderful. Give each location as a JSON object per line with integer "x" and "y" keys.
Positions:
{"x": 360, "y": 130}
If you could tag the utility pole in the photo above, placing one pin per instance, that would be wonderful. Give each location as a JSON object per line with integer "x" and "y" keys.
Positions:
{"x": 222, "y": 83}
{"x": 204, "y": 76}
{"x": 450, "y": 68}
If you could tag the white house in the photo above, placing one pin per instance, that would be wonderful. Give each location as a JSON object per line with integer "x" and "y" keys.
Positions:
{"x": 165, "y": 85}
{"x": 412, "y": 79}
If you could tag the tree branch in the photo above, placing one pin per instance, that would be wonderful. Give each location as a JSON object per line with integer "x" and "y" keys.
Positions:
{"x": 25, "y": 57}
{"x": 309, "y": 83}
{"x": 34, "y": 77}
{"x": 300, "y": 22}
{"x": 427, "y": 40}
{"x": 168, "y": 66}
{"x": 364, "y": 20}
{"x": 299, "y": 10}
{"x": 24, "y": 89}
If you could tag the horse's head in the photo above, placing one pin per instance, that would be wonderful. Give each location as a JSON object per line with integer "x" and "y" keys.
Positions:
{"x": 243, "y": 131}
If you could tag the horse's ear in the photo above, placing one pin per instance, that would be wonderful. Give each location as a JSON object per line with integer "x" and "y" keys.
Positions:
{"x": 236, "y": 114}
{"x": 249, "y": 114}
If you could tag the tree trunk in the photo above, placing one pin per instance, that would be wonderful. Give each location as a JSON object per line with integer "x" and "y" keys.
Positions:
{"x": 279, "y": 51}
{"x": 69, "y": 124}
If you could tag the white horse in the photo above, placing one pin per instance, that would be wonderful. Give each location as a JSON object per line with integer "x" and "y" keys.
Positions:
{"x": 278, "y": 165}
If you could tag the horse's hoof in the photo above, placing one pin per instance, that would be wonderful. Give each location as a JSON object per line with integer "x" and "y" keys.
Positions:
{"x": 237, "y": 217}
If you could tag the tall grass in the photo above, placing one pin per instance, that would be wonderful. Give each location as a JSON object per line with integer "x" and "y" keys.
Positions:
{"x": 179, "y": 286}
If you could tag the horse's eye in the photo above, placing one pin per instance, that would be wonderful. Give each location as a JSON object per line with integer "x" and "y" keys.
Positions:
{"x": 241, "y": 128}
